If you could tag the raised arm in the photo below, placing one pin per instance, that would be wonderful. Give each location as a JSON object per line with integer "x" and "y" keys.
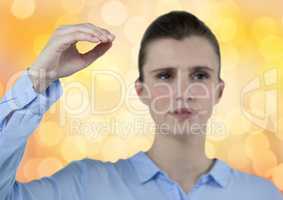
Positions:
{"x": 22, "y": 108}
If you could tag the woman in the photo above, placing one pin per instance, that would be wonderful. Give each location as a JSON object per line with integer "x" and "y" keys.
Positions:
{"x": 179, "y": 68}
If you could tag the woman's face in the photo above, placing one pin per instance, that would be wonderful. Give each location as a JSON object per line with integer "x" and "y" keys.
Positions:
{"x": 181, "y": 84}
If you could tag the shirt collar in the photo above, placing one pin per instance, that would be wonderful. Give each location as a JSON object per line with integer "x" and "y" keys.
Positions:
{"x": 147, "y": 169}
{"x": 221, "y": 172}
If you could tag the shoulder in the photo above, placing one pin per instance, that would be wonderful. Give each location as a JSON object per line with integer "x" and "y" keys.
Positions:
{"x": 255, "y": 185}
{"x": 94, "y": 167}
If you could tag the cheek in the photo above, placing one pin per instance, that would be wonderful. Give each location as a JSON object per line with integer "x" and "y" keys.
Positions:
{"x": 200, "y": 91}
{"x": 160, "y": 99}
{"x": 206, "y": 103}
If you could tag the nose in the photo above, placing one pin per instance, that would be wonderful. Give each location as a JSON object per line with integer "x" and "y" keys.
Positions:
{"x": 182, "y": 88}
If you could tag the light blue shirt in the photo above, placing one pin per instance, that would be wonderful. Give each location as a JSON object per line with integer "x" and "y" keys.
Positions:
{"x": 135, "y": 178}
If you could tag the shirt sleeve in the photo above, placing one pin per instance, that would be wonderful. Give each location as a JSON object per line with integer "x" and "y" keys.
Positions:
{"x": 67, "y": 183}
{"x": 21, "y": 110}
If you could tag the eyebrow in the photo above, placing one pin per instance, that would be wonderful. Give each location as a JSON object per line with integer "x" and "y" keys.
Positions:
{"x": 194, "y": 68}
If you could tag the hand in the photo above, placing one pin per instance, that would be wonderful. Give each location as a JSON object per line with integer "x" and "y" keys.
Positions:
{"x": 60, "y": 58}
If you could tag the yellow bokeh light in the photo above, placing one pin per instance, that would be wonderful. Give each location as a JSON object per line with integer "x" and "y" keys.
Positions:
{"x": 113, "y": 149}
{"x": 39, "y": 43}
{"x": 210, "y": 150}
{"x": 226, "y": 29}
{"x": 134, "y": 28}
{"x": 23, "y": 9}
{"x": 1, "y": 89}
{"x": 263, "y": 162}
{"x": 256, "y": 143}
{"x": 237, "y": 157}
{"x": 66, "y": 20}
{"x": 93, "y": 149}
{"x": 242, "y": 126}
{"x": 84, "y": 47}
{"x": 262, "y": 27}
{"x": 163, "y": 6}
{"x": 217, "y": 129}
{"x": 138, "y": 142}
{"x": 114, "y": 12}
{"x": 279, "y": 132}
{"x": 73, "y": 148}
{"x": 29, "y": 167}
{"x": 73, "y": 6}
{"x": 111, "y": 77}
{"x": 256, "y": 105}
{"x": 50, "y": 134}
{"x": 93, "y": 130}
{"x": 271, "y": 47}
{"x": 230, "y": 55}
{"x": 49, "y": 166}
{"x": 277, "y": 176}
{"x": 75, "y": 98}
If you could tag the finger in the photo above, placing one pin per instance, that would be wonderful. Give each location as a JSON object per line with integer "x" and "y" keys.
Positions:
{"x": 109, "y": 35}
{"x": 65, "y": 41}
{"x": 96, "y": 52}
{"x": 66, "y": 29}
{"x": 103, "y": 31}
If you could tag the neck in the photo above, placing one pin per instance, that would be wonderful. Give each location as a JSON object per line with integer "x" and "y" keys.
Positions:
{"x": 182, "y": 157}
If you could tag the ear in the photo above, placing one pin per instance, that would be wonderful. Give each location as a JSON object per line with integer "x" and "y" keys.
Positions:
{"x": 142, "y": 92}
{"x": 219, "y": 90}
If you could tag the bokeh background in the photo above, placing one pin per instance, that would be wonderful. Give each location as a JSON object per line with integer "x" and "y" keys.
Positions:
{"x": 251, "y": 38}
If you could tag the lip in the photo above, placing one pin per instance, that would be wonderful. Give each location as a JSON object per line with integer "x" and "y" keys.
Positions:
{"x": 182, "y": 113}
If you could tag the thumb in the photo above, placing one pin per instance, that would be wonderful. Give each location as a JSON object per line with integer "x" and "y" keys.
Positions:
{"x": 96, "y": 52}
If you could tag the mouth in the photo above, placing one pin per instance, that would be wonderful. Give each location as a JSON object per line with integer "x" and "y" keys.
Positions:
{"x": 182, "y": 113}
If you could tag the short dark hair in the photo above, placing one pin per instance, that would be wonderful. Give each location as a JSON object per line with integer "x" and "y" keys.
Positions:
{"x": 176, "y": 25}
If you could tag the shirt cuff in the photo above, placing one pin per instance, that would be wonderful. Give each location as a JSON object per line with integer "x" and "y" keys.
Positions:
{"x": 22, "y": 95}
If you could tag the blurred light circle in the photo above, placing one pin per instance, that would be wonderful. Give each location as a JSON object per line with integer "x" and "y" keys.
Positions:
{"x": 48, "y": 166}
{"x": 73, "y": 148}
{"x": 114, "y": 148}
{"x": 114, "y": 12}
{"x": 73, "y": 6}
{"x": 84, "y": 47}
{"x": 1, "y": 89}
{"x": 65, "y": 20}
{"x": 134, "y": 28}
{"x": 217, "y": 129}
{"x": 210, "y": 150}
{"x": 39, "y": 43}
{"x": 230, "y": 56}
{"x": 29, "y": 167}
{"x": 277, "y": 176}
{"x": 23, "y": 9}
{"x": 279, "y": 133}
{"x": 137, "y": 142}
{"x": 242, "y": 126}
{"x": 263, "y": 162}
{"x": 237, "y": 157}
{"x": 135, "y": 53}
{"x": 271, "y": 47}
{"x": 256, "y": 143}
{"x": 163, "y": 6}
{"x": 263, "y": 26}
{"x": 93, "y": 128}
{"x": 226, "y": 29}
{"x": 77, "y": 97}
{"x": 49, "y": 134}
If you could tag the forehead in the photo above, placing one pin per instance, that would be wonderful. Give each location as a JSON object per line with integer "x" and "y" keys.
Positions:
{"x": 189, "y": 52}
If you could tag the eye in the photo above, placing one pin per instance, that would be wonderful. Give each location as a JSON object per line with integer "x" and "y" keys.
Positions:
{"x": 164, "y": 75}
{"x": 200, "y": 76}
